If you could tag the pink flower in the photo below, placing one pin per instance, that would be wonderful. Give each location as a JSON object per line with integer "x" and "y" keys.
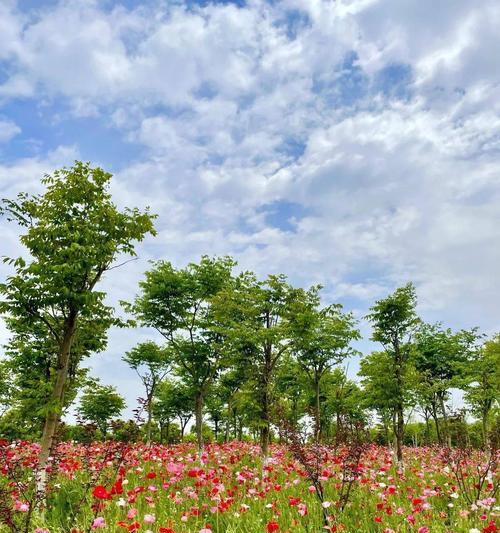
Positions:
{"x": 98, "y": 522}
{"x": 149, "y": 518}
{"x": 131, "y": 514}
{"x": 423, "y": 529}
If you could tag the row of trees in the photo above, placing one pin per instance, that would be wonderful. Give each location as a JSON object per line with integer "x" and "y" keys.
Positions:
{"x": 247, "y": 351}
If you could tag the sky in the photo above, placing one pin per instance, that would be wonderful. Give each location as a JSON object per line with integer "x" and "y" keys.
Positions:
{"x": 351, "y": 143}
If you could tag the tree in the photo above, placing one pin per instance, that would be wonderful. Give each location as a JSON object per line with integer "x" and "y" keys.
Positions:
{"x": 257, "y": 315}
{"x": 322, "y": 338}
{"x": 73, "y": 235}
{"x": 439, "y": 356}
{"x": 172, "y": 400}
{"x": 178, "y": 304}
{"x": 394, "y": 321}
{"x": 482, "y": 383}
{"x": 99, "y": 404}
{"x": 343, "y": 401}
{"x": 31, "y": 359}
{"x": 383, "y": 391}
{"x": 151, "y": 363}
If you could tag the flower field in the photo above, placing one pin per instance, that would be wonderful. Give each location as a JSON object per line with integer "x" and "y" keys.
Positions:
{"x": 166, "y": 489}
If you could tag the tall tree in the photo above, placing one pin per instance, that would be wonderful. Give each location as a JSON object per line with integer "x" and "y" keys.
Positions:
{"x": 258, "y": 318}
{"x": 394, "y": 321}
{"x": 100, "y": 404}
{"x": 151, "y": 363}
{"x": 178, "y": 304}
{"x": 322, "y": 338}
{"x": 73, "y": 235}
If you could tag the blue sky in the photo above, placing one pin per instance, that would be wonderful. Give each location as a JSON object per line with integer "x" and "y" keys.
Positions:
{"x": 353, "y": 143}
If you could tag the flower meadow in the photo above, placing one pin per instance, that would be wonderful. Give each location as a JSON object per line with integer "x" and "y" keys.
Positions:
{"x": 171, "y": 489}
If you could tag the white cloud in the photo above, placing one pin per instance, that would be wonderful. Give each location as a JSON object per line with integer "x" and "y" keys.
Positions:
{"x": 8, "y": 130}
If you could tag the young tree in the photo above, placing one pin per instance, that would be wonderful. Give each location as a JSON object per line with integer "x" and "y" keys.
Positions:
{"x": 151, "y": 363}
{"x": 178, "y": 304}
{"x": 482, "y": 383}
{"x": 343, "y": 401}
{"x": 258, "y": 315}
{"x": 322, "y": 338}
{"x": 73, "y": 235}
{"x": 99, "y": 404}
{"x": 164, "y": 407}
{"x": 394, "y": 321}
{"x": 439, "y": 356}
{"x": 383, "y": 391}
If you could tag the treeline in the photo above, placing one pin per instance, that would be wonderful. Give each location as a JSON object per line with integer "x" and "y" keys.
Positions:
{"x": 241, "y": 356}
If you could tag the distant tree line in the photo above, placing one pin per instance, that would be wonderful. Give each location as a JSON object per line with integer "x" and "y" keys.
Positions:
{"x": 238, "y": 356}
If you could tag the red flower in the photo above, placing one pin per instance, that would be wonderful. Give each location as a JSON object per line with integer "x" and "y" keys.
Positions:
{"x": 293, "y": 501}
{"x": 150, "y": 475}
{"x": 490, "y": 528}
{"x": 166, "y": 530}
{"x": 101, "y": 493}
{"x": 117, "y": 488}
{"x": 272, "y": 526}
{"x": 134, "y": 526}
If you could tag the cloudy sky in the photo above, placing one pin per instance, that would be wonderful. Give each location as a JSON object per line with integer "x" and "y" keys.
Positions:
{"x": 352, "y": 143}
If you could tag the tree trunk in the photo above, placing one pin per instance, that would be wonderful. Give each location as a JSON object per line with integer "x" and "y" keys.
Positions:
{"x": 445, "y": 420}
{"x": 150, "y": 417}
{"x": 198, "y": 407}
{"x": 427, "y": 429}
{"x": 240, "y": 430}
{"x": 317, "y": 411}
{"x": 436, "y": 423}
{"x": 56, "y": 403}
{"x": 400, "y": 424}
{"x": 484, "y": 423}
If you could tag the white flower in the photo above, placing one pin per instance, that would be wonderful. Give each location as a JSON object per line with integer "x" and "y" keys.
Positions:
{"x": 454, "y": 495}
{"x": 474, "y": 530}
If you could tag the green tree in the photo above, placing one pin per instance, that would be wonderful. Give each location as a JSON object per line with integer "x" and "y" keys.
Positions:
{"x": 383, "y": 390}
{"x": 257, "y": 320}
{"x": 321, "y": 338}
{"x": 73, "y": 235}
{"x": 439, "y": 356}
{"x": 482, "y": 383}
{"x": 178, "y": 304}
{"x": 151, "y": 363}
{"x": 31, "y": 360}
{"x": 99, "y": 404}
{"x": 164, "y": 407}
{"x": 394, "y": 321}
{"x": 343, "y": 401}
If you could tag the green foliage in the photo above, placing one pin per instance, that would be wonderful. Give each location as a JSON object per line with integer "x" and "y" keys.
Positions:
{"x": 73, "y": 234}
{"x": 178, "y": 304}
{"x": 99, "y": 404}
{"x": 481, "y": 381}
